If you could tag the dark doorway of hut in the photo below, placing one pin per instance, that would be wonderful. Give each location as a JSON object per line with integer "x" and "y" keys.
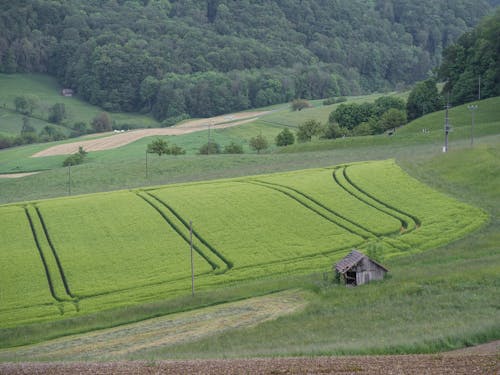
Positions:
{"x": 350, "y": 278}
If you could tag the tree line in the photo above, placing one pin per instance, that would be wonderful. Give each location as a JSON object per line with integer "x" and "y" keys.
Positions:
{"x": 175, "y": 59}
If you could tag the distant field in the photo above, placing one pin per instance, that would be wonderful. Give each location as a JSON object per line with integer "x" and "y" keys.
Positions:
{"x": 106, "y": 250}
{"x": 48, "y": 92}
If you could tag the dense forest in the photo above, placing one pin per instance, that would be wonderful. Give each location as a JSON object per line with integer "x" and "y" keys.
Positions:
{"x": 200, "y": 58}
{"x": 471, "y": 67}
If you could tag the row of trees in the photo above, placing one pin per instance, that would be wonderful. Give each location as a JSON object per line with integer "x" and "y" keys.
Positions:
{"x": 200, "y": 58}
{"x": 387, "y": 112}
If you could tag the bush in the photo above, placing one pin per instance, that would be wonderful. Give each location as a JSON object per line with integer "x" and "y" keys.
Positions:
{"x": 300, "y": 104}
{"x": 57, "y": 113}
{"x": 233, "y": 148}
{"x": 102, "y": 123}
{"x": 259, "y": 143}
{"x": 309, "y": 129}
{"x": 331, "y": 101}
{"x": 333, "y": 131}
{"x": 174, "y": 120}
{"x": 176, "y": 150}
{"x": 209, "y": 148}
{"x": 285, "y": 138}
{"x": 75, "y": 159}
{"x": 158, "y": 146}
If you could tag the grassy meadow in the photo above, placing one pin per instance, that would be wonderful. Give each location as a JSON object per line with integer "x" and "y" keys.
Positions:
{"x": 48, "y": 92}
{"x": 95, "y": 261}
{"x": 126, "y": 248}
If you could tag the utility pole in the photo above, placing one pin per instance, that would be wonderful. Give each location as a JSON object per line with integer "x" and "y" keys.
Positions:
{"x": 446, "y": 128}
{"x": 208, "y": 140}
{"x": 479, "y": 89}
{"x": 69, "y": 179}
{"x": 472, "y": 108}
{"x": 192, "y": 262}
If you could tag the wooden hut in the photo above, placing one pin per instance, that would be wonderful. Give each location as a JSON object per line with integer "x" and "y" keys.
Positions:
{"x": 357, "y": 269}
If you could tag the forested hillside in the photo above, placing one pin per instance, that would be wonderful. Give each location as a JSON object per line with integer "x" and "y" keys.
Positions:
{"x": 473, "y": 62}
{"x": 201, "y": 58}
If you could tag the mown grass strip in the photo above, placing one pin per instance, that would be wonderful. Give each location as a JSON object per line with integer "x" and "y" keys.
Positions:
{"x": 228, "y": 263}
{"x": 364, "y": 232}
{"x": 415, "y": 219}
{"x": 54, "y": 253}
{"x": 179, "y": 231}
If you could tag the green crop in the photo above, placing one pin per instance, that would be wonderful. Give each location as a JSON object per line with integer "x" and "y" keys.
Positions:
{"x": 74, "y": 256}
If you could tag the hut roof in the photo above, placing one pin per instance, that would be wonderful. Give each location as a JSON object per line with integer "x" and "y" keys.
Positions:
{"x": 353, "y": 258}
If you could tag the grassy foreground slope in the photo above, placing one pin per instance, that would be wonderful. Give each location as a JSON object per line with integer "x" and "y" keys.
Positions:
{"x": 436, "y": 300}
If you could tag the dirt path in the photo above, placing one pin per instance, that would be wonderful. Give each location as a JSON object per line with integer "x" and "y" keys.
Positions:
{"x": 122, "y": 139}
{"x": 17, "y": 175}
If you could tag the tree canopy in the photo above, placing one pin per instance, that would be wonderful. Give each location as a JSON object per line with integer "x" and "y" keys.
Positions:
{"x": 472, "y": 62}
{"x": 196, "y": 58}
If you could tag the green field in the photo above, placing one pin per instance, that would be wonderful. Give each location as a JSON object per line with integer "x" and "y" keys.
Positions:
{"x": 101, "y": 260}
{"x": 117, "y": 249}
{"x": 48, "y": 92}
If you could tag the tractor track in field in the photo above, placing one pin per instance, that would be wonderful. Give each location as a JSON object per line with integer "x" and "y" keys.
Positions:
{"x": 122, "y": 139}
{"x": 386, "y": 209}
{"x": 177, "y": 229}
{"x": 42, "y": 257}
{"x": 415, "y": 219}
{"x": 283, "y": 188}
{"x": 216, "y": 252}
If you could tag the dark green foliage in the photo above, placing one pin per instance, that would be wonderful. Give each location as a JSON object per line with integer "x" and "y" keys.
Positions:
{"x": 258, "y": 143}
{"x": 384, "y": 103}
{"x": 331, "y": 101}
{"x": 57, "y": 113}
{"x": 161, "y": 147}
{"x": 392, "y": 119}
{"x": 209, "y": 148}
{"x": 300, "y": 104}
{"x": 475, "y": 55}
{"x": 309, "y": 129}
{"x": 21, "y": 104}
{"x": 333, "y": 131}
{"x": 158, "y": 146}
{"x": 387, "y": 112}
{"x": 176, "y": 150}
{"x": 102, "y": 123}
{"x": 233, "y": 148}
{"x": 27, "y": 128}
{"x": 75, "y": 159}
{"x": 222, "y": 55}
{"x": 351, "y": 115}
{"x": 285, "y": 138}
{"x": 50, "y": 133}
{"x": 423, "y": 99}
